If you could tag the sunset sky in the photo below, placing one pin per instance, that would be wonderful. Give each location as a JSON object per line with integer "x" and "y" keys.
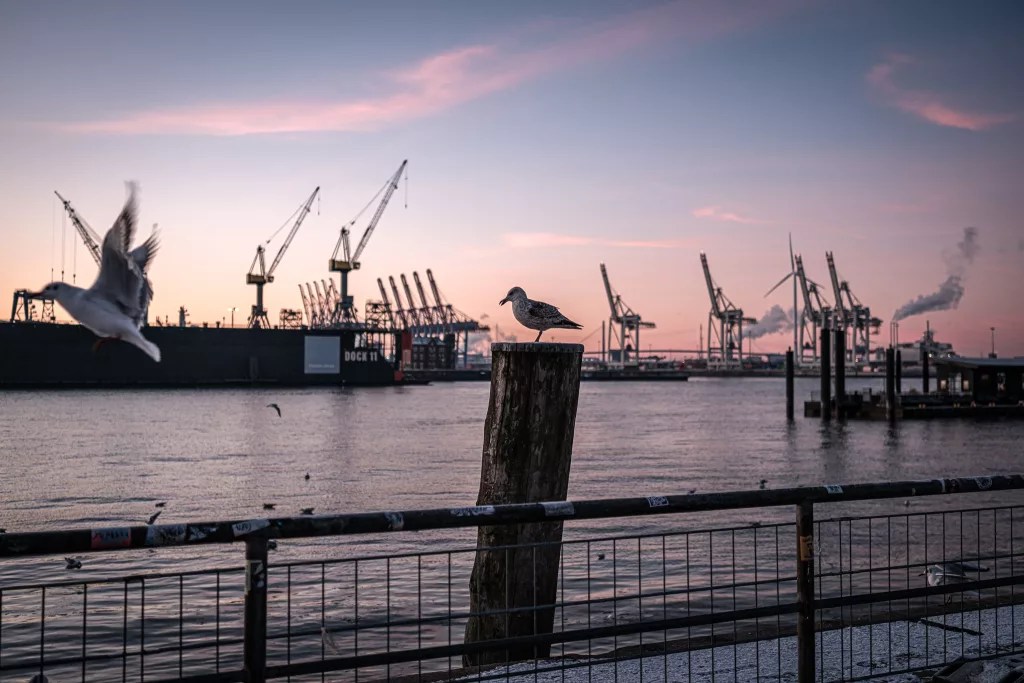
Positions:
{"x": 543, "y": 139}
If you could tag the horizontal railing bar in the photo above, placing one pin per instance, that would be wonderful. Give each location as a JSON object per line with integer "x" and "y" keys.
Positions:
{"x": 906, "y": 593}
{"x": 576, "y": 635}
{"x": 123, "y": 538}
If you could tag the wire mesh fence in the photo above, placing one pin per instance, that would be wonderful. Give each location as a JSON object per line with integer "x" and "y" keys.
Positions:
{"x": 891, "y": 593}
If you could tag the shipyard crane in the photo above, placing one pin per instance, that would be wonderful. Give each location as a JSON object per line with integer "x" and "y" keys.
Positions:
{"x": 349, "y": 260}
{"x": 817, "y": 314}
{"x": 258, "y": 317}
{"x": 305, "y": 306}
{"x": 386, "y": 304}
{"x": 89, "y": 236}
{"x": 444, "y": 311}
{"x": 851, "y": 315}
{"x": 429, "y": 314}
{"x": 728, "y": 334}
{"x": 406, "y": 316}
{"x": 623, "y": 325}
{"x": 417, "y": 319}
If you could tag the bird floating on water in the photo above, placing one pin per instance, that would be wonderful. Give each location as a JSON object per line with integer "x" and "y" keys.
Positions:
{"x": 115, "y": 306}
{"x": 152, "y": 517}
{"x": 269, "y": 506}
{"x": 72, "y": 563}
{"x": 275, "y": 407}
{"x": 761, "y": 484}
{"x": 307, "y": 511}
{"x": 307, "y": 476}
{"x": 536, "y": 315}
{"x": 161, "y": 504}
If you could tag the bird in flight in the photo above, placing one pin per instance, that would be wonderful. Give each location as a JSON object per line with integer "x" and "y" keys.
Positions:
{"x": 536, "y": 315}
{"x": 152, "y": 517}
{"x": 115, "y": 306}
{"x": 275, "y": 407}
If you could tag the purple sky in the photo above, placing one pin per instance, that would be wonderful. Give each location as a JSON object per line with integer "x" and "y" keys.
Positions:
{"x": 543, "y": 139}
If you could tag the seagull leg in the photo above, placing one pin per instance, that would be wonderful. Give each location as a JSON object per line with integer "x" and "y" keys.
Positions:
{"x": 538, "y": 336}
{"x": 100, "y": 342}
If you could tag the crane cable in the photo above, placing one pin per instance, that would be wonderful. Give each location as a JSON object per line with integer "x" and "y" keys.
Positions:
{"x": 283, "y": 225}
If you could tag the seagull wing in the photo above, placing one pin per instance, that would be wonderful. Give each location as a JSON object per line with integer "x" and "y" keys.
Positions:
{"x": 141, "y": 256}
{"x": 539, "y": 309}
{"x": 120, "y": 280}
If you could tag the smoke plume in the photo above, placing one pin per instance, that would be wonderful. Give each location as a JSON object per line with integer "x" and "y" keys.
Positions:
{"x": 952, "y": 289}
{"x": 775, "y": 320}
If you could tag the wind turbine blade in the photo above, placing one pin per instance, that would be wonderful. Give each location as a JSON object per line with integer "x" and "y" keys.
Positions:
{"x": 792, "y": 263}
{"x": 788, "y": 275}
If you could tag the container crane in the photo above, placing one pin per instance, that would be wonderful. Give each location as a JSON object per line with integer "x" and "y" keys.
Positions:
{"x": 428, "y": 313}
{"x": 728, "y": 333}
{"x": 817, "y": 314}
{"x": 623, "y": 324}
{"x": 417, "y": 319}
{"x": 852, "y": 315}
{"x": 349, "y": 260}
{"x": 258, "y": 317}
{"x": 305, "y": 306}
{"x": 444, "y": 311}
{"x": 387, "y": 304}
{"x": 405, "y": 316}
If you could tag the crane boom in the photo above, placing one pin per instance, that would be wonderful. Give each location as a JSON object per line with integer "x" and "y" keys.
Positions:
{"x": 837, "y": 289}
{"x": 88, "y": 235}
{"x": 383, "y": 293}
{"x": 611, "y": 295}
{"x": 391, "y": 187}
{"x": 442, "y": 310}
{"x": 419, "y": 288}
{"x": 716, "y": 310}
{"x": 413, "y": 313}
{"x": 400, "y": 310}
{"x": 291, "y": 234}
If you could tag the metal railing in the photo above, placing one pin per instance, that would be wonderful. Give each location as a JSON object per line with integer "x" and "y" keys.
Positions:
{"x": 837, "y": 599}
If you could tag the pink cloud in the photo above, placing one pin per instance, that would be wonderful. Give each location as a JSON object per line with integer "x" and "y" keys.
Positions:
{"x": 453, "y": 77}
{"x": 716, "y": 213}
{"x": 926, "y": 104}
{"x": 535, "y": 240}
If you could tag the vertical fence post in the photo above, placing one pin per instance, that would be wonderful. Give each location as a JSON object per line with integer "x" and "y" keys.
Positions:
{"x": 805, "y": 592}
{"x": 526, "y": 456}
{"x": 255, "y": 640}
{"x": 789, "y": 385}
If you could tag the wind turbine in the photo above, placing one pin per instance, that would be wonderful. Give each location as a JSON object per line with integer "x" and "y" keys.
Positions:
{"x": 796, "y": 318}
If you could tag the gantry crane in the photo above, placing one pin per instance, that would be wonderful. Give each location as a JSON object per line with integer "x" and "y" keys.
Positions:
{"x": 349, "y": 261}
{"x": 444, "y": 311}
{"x": 406, "y": 318}
{"x": 817, "y": 314}
{"x": 258, "y": 317}
{"x": 728, "y": 333}
{"x": 851, "y": 316}
{"x": 623, "y": 325}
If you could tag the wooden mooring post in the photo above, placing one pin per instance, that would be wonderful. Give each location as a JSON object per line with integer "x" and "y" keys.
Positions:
{"x": 826, "y": 374}
{"x": 924, "y": 370}
{"x": 890, "y": 384}
{"x": 527, "y": 452}
{"x": 840, "y": 355}
{"x": 789, "y": 385}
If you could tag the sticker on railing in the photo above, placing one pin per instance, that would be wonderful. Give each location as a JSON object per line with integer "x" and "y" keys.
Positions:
{"x": 111, "y": 538}
{"x": 833, "y": 488}
{"x": 561, "y": 508}
{"x": 249, "y": 526}
{"x": 198, "y": 533}
{"x": 396, "y": 520}
{"x": 984, "y": 483}
{"x": 255, "y": 576}
{"x": 475, "y": 511}
{"x": 806, "y": 548}
{"x": 168, "y": 534}
{"x": 657, "y": 501}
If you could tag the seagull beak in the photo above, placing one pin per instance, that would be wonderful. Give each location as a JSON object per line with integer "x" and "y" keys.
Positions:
{"x": 503, "y": 301}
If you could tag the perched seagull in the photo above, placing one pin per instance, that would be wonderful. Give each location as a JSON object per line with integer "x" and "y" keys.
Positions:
{"x": 152, "y": 517}
{"x": 275, "y": 407}
{"x": 115, "y": 306}
{"x": 536, "y": 315}
{"x": 73, "y": 563}
{"x": 307, "y": 511}
{"x": 269, "y": 506}
{"x": 949, "y": 573}
{"x": 761, "y": 484}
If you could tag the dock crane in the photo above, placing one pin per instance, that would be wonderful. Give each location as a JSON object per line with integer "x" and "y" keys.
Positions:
{"x": 405, "y": 316}
{"x": 88, "y": 235}
{"x": 413, "y": 311}
{"x": 428, "y": 313}
{"x": 851, "y": 315}
{"x": 623, "y": 324}
{"x": 388, "y": 313}
{"x": 817, "y": 314}
{"x": 443, "y": 310}
{"x": 728, "y": 334}
{"x": 258, "y": 317}
{"x": 349, "y": 260}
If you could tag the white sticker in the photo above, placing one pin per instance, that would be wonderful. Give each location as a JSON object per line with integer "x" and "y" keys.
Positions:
{"x": 396, "y": 520}
{"x": 657, "y": 501}
{"x": 475, "y": 511}
{"x": 562, "y": 508}
{"x": 833, "y": 488}
{"x": 984, "y": 483}
{"x": 166, "y": 534}
{"x": 249, "y": 526}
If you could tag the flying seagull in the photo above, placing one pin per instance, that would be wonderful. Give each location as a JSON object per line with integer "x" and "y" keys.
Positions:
{"x": 114, "y": 307}
{"x": 536, "y": 315}
{"x": 275, "y": 407}
{"x": 72, "y": 563}
{"x": 152, "y": 517}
